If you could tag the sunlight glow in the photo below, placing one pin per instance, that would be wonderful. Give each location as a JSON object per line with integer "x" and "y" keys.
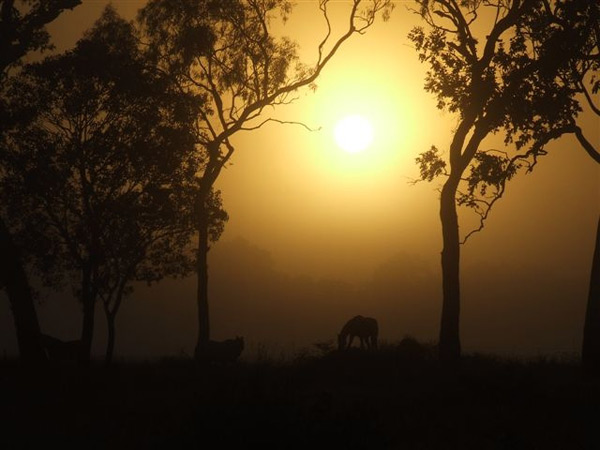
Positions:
{"x": 353, "y": 133}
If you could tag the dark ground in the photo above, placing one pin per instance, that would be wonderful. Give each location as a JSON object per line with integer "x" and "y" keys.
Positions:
{"x": 396, "y": 398}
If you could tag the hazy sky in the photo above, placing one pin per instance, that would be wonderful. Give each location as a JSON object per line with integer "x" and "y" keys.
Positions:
{"x": 317, "y": 235}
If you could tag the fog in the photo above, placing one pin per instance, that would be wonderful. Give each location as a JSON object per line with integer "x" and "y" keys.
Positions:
{"x": 314, "y": 239}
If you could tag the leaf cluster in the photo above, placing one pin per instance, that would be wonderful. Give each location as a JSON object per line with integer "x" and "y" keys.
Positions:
{"x": 100, "y": 167}
{"x": 221, "y": 48}
{"x": 431, "y": 165}
{"x": 22, "y": 27}
{"x": 521, "y": 78}
{"x": 528, "y": 87}
{"x": 229, "y": 54}
{"x": 490, "y": 170}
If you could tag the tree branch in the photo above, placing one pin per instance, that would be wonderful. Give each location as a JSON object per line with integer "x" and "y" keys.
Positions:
{"x": 285, "y": 122}
{"x": 588, "y": 97}
{"x": 587, "y": 145}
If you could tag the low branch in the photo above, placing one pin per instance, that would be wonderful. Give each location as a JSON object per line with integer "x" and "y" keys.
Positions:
{"x": 534, "y": 152}
{"x": 589, "y": 99}
{"x": 587, "y": 145}
{"x": 285, "y": 122}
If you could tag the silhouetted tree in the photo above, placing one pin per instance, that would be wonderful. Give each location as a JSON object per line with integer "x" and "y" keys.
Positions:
{"x": 101, "y": 170}
{"x": 227, "y": 53}
{"x": 566, "y": 35}
{"x": 22, "y": 27}
{"x": 494, "y": 82}
{"x": 152, "y": 241}
{"x": 22, "y": 30}
{"x": 570, "y": 32}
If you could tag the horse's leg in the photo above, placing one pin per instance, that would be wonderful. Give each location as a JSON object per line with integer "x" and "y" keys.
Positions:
{"x": 350, "y": 341}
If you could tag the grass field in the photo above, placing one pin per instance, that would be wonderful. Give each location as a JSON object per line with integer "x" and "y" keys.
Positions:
{"x": 398, "y": 397}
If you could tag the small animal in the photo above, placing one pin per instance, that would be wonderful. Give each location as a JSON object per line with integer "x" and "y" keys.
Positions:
{"x": 58, "y": 350}
{"x": 365, "y": 328}
{"x": 227, "y": 351}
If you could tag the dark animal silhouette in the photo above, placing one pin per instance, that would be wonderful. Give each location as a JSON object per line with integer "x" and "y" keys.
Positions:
{"x": 227, "y": 351}
{"x": 365, "y": 328}
{"x": 58, "y": 350}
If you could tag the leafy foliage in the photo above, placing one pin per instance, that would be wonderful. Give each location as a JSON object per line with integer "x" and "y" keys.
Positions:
{"x": 22, "y": 27}
{"x": 100, "y": 172}
{"x": 521, "y": 81}
{"x": 220, "y": 49}
{"x": 490, "y": 170}
{"x": 227, "y": 55}
{"x": 502, "y": 79}
{"x": 431, "y": 164}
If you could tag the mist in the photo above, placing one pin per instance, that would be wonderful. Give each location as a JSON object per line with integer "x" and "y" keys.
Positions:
{"x": 316, "y": 237}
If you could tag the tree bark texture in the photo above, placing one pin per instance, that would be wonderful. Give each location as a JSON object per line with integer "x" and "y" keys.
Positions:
{"x": 14, "y": 279}
{"x": 449, "y": 342}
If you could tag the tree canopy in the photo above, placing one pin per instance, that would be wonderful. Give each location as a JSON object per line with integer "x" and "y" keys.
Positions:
{"x": 227, "y": 55}
{"x": 100, "y": 173}
{"x": 22, "y": 30}
{"x": 505, "y": 80}
{"x": 514, "y": 84}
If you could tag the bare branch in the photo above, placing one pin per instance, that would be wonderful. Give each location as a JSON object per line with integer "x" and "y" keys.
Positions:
{"x": 284, "y": 122}
{"x": 323, "y": 8}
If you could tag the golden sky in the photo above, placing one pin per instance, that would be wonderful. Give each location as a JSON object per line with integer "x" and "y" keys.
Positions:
{"x": 322, "y": 213}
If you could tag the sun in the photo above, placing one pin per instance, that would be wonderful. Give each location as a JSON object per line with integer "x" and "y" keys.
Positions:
{"x": 353, "y": 133}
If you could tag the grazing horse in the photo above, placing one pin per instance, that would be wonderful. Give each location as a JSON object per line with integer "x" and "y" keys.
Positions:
{"x": 365, "y": 328}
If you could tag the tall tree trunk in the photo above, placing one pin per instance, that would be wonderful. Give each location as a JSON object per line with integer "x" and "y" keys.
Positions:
{"x": 87, "y": 329}
{"x": 449, "y": 343}
{"x": 590, "y": 352}
{"x": 110, "y": 344}
{"x": 14, "y": 279}
{"x": 202, "y": 273}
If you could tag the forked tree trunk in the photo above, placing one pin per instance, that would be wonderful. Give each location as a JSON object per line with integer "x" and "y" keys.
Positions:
{"x": 449, "y": 343}
{"x": 590, "y": 352}
{"x": 202, "y": 274}
{"x": 14, "y": 279}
